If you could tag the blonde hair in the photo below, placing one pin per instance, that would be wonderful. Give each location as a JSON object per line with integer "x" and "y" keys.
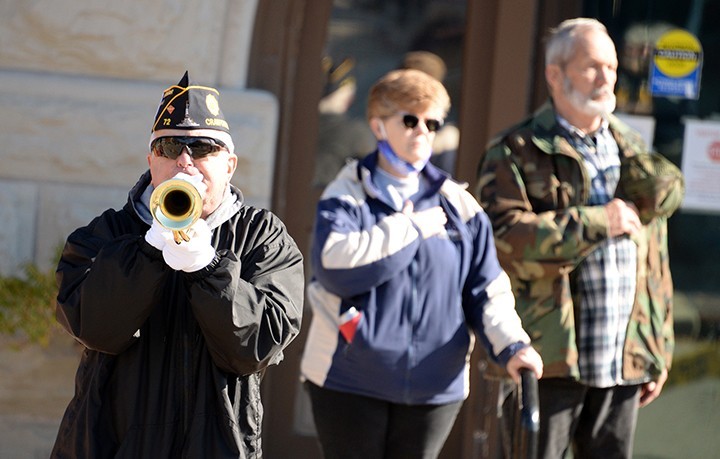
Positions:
{"x": 407, "y": 90}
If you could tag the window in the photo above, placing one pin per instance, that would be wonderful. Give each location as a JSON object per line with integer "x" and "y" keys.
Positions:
{"x": 683, "y": 421}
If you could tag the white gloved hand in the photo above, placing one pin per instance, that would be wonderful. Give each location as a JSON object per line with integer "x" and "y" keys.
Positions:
{"x": 195, "y": 180}
{"x": 193, "y": 255}
{"x": 157, "y": 236}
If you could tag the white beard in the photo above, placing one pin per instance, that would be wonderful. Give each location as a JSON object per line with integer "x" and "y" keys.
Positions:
{"x": 586, "y": 104}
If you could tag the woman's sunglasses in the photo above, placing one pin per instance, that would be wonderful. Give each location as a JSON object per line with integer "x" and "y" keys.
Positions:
{"x": 197, "y": 147}
{"x": 411, "y": 121}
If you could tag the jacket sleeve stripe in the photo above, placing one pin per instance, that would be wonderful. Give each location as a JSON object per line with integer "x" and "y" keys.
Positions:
{"x": 322, "y": 339}
{"x": 362, "y": 248}
{"x": 501, "y": 323}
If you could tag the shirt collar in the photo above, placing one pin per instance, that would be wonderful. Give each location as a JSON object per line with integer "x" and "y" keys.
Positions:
{"x": 602, "y": 131}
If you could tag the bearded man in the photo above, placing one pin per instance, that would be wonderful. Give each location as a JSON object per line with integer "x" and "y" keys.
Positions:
{"x": 591, "y": 278}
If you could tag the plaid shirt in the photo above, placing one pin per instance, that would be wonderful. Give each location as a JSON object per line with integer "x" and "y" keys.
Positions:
{"x": 605, "y": 280}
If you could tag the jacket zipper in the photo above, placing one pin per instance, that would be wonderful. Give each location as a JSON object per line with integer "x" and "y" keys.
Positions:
{"x": 412, "y": 311}
{"x": 186, "y": 382}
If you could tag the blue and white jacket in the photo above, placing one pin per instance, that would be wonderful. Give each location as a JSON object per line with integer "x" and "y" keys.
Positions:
{"x": 393, "y": 313}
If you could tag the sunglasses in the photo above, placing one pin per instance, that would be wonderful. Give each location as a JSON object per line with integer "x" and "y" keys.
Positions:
{"x": 411, "y": 121}
{"x": 197, "y": 147}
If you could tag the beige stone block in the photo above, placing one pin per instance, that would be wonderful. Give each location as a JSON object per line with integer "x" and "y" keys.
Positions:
{"x": 17, "y": 214}
{"x": 133, "y": 39}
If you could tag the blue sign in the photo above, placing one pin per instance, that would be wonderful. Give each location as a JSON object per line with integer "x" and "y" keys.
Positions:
{"x": 687, "y": 87}
{"x": 675, "y": 66}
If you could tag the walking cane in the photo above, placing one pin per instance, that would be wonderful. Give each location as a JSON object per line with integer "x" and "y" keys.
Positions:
{"x": 527, "y": 420}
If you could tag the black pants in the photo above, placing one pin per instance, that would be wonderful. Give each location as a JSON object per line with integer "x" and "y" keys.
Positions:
{"x": 595, "y": 423}
{"x": 352, "y": 426}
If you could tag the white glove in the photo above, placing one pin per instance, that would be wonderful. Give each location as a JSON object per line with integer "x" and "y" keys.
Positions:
{"x": 157, "y": 236}
{"x": 192, "y": 255}
{"x": 195, "y": 180}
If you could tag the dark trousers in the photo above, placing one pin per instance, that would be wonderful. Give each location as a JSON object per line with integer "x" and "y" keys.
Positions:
{"x": 595, "y": 423}
{"x": 352, "y": 426}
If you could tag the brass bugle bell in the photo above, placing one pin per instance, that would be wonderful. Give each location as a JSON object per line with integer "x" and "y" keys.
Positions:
{"x": 176, "y": 204}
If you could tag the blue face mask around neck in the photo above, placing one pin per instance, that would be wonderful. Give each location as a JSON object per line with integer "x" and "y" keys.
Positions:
{"x": 399, "y": 165}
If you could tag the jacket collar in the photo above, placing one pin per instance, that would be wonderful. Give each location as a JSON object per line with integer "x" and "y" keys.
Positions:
{"x": 367, "y": 167}
{"x": 548, "y": 138}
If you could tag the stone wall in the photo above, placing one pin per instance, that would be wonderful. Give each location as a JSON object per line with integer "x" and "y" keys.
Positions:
{"x": 79, "y": 87}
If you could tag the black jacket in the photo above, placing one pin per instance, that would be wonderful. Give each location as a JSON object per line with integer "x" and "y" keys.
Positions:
{"x": 173, "y": 360}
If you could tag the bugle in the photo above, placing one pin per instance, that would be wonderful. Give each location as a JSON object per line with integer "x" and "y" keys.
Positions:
{"x": 176, "y": 204}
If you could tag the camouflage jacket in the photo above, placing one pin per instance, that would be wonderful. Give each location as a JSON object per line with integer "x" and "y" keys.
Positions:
{"x": 534, "y": 187}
